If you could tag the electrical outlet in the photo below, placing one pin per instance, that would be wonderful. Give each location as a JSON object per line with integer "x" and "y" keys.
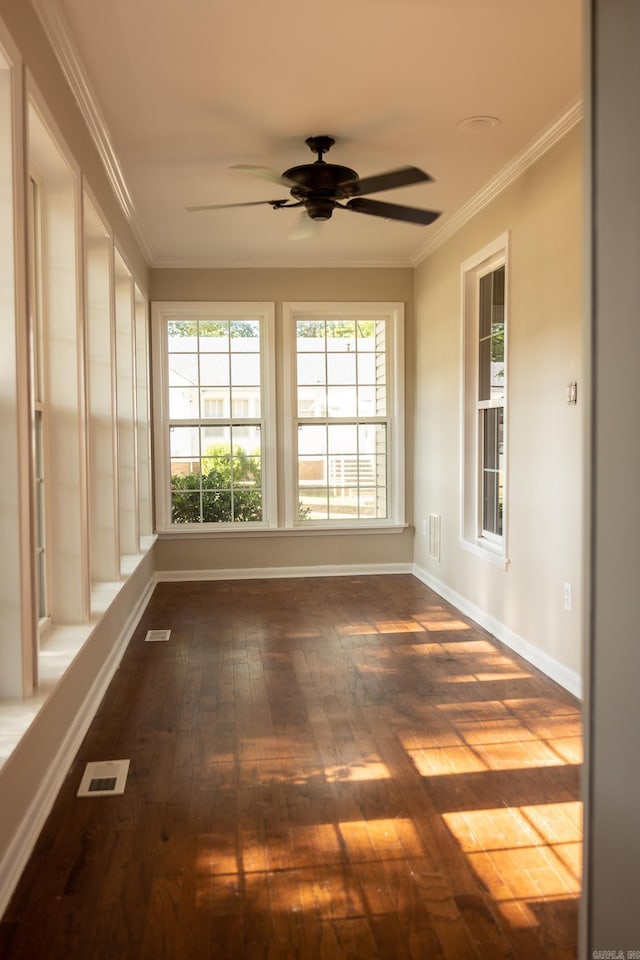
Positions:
{"x": 567, "y": 596}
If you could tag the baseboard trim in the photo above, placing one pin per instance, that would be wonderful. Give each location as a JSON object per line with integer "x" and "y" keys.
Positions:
{"x": 279, "y": 573}
{"x": 551, "y": 667}
{"x": 24, "y": 840}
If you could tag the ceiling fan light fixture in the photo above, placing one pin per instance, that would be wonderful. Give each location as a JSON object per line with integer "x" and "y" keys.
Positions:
{"x": 319, "y": 208}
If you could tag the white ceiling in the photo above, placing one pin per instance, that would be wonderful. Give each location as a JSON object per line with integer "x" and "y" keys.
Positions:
{"x": 187, "y": 89}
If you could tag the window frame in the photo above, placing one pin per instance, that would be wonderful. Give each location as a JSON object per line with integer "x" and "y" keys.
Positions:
{"x": 392, "y": 314}
{"x": 38, "y": 405}
{"x": 164, "y": 312}
{"x": 474, "y": 536}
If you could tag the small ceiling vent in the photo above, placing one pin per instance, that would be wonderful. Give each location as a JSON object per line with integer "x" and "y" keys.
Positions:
{"x": 157, "y": 636}
{"x": 105, "y": 778}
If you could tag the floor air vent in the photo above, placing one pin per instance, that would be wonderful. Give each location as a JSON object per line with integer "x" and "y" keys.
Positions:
{"x": 156, "y": 636}
{"x": 106, "y": 778}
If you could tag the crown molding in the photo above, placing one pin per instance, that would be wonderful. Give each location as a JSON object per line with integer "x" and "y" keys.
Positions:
{"x": 514, "y": 169}
{"x": 59, "y": 36}
{"x": 281, "y": 264}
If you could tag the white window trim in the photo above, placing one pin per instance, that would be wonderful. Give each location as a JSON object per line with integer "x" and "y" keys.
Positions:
{"x": 393, "y": 314}
{"x": 161, "y": 313}
{"x": 472, "y": 539}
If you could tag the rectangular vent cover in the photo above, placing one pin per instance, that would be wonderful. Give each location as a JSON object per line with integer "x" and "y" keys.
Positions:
{"x": 433, "y": 548}
{"x": 156, "y": 636}
{"x": 106, "y": 778}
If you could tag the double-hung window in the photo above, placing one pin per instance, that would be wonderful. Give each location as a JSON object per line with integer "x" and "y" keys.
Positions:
{"x": 215, "y": 391}
{"x": 346, "y": 464}
{"x": 485, "y": 397}
{"x": 491, "y": 396}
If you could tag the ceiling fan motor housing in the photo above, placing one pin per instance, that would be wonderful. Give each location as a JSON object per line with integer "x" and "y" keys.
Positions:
{"x": 318, "y": 186}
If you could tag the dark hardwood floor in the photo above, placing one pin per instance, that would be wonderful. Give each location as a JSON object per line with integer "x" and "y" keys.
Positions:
{"x": 320, "y": 768}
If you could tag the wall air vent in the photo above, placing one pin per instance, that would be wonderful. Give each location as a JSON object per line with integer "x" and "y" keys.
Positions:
{"x": 156, "y": 636}
{"x": 433, "y": 543}
{"x": 106, "y": 778}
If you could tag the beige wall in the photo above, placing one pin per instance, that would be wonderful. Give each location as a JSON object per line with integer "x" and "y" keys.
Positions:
{"x": 542, "y": 212}
{"x": 242, "y": 552}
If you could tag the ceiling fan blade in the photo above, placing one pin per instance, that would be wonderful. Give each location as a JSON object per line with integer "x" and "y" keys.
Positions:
{"x": 265, "y": 173}
{"x": 391, "y": 211}
{"x": 402, "y": 177}
{"x": 304, "y": 227}
{"x": 226, "y": 206}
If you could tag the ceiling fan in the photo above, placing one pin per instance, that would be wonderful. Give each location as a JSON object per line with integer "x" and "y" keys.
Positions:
{"x": 322, "y": 187}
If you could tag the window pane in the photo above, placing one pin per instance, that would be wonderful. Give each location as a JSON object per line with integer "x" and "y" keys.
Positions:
{"x": 486, "y": 292}
{"x": 247, "y": 505}
{"x": 215, "y": 403}
{"x": 183, "y": 403}
{"x": 369, "y": 503}
{"x": 245, "y": 402}
{"x": 184, "y": 442}
{"x": 366, "y": 368}
{"x": 245, "y": 369}
{"x": 343, "y": 438}
{"x": 213, "y": 336}
{"x": 341, "y": 368}
{"x": 216, "y": 441}
{"x": 310, "y": 335}
{"x": 183, "y": 370}
{"x": 366, "y": 335}
{"x": 312, "y": 439}
{"x": 182, "y": 468}
{"x": 312, "y": 470}
{"x": 216, "y": 506}
{"x": 489, "y": 502}
{"x": 245, "y": 336}
{"x": 214, "y": 369}
{"x": 246, "y": 472}
{"x": 314, "y": 503}
{"x": 182, "y": 336}
{"x": 186, "y": 507}
{"x": 367, "y": 402}
{"x": 492, "y": 470}
{"x": 341, "y": 335}
{"x": 484, "y": 370}
{"x": 311, "y": 368}
{"x": 372, "y": 437}
{"x": 342, "y": 505}
{"x": 216, "y": 473}
{"x": 342, "y": 401}
{"x": 312, "y": 402}
{"x": 246, "y": 439}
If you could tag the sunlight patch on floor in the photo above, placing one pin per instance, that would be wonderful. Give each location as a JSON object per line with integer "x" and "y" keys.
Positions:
{"x": 523, "y": 855}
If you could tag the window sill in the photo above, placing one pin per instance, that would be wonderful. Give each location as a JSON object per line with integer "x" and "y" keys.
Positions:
{"x": 250, "y": 532}
{"x": 492, "y": 552}
{"x": 59, "y": 646}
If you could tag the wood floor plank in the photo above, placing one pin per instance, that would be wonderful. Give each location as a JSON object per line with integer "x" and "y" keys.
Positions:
{"x": 325, "y": 768}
